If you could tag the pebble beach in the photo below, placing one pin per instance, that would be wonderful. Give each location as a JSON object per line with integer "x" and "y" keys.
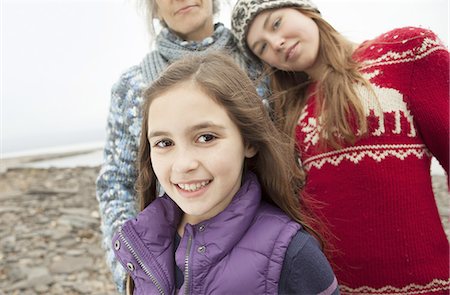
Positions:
{"x": 50, "y": 236}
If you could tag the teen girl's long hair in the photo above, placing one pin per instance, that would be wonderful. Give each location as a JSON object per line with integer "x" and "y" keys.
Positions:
{"x": 343, "y": 119}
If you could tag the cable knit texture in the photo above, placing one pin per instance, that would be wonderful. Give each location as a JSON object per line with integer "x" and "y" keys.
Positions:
{"x": 115, "y": 183}
{"x": 377, "y": 194}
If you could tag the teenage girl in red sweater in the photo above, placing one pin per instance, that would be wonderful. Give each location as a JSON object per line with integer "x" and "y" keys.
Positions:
{"x": 367, "y": 119}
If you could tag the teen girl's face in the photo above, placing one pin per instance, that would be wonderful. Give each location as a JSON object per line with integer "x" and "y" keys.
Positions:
{"x": 192, "y": 20}
{"x": 197, "y": 151}
{"x": 285, "y": 39}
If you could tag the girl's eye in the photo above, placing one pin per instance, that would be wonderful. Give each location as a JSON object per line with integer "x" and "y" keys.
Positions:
{"x": 276, "y": 24}
{"x": 206, "y": 138}
{"x": 262, "y": 48}
{"x": 163, "y": 143}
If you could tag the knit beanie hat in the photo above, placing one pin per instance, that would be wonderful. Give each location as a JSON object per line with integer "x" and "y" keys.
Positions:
{"x": 245, "y": 11}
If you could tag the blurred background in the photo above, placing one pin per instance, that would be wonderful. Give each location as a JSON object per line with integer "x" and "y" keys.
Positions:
{"x": 59, "y": 59}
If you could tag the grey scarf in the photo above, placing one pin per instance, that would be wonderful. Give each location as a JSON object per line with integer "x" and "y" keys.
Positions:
{"x": 169, "y": 48}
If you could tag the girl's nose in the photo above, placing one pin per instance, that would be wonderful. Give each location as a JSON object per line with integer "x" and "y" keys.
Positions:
{"x": 279, "y": 44}
{"x": 185, "y": 161}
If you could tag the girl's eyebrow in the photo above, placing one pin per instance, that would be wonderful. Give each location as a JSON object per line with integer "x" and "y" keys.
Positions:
{"x": 205, "y": 125}
{"x": 202, "y": 125}
{"x": 265, "y": 24}
{"x": 266, "y": 21}
{"x": 157, "y": 133}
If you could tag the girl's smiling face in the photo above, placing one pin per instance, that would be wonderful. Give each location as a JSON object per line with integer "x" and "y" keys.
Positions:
{"x": 285, "y": 39}
{"x": 197, "y": 151}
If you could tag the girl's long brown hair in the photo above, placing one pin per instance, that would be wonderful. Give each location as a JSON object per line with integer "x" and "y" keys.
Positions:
{"x": 221, "y": 79}
{"x": 343, "y": 119}
{"x": 275, "y": 164}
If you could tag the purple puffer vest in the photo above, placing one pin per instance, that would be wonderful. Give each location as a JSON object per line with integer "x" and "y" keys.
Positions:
{"x": 239, "y": 251}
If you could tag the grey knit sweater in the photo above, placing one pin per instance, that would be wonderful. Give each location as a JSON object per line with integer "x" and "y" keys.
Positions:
{"x": 115, "y": 183}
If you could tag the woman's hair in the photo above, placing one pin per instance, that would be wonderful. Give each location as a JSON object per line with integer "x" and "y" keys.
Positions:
{"x": 342, "y": 116}
{"x": 150, "y": 8}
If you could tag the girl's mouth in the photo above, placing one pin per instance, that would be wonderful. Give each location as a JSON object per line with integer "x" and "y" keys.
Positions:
{"x": 192, "y": 187}
{"x": 291, "y": 51}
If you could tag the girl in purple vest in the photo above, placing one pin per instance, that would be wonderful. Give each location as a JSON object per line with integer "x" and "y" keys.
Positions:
{"x": 230, "y": 221}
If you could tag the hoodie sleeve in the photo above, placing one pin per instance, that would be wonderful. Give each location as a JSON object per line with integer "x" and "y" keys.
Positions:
{"x": 306, "y": 269}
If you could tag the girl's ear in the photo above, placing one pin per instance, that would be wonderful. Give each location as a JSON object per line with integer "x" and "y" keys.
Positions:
{"x": 250, "y": 151}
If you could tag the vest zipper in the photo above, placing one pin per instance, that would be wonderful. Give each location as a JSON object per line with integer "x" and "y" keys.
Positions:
{"x": 141, "y": 263}
{"x": 186, "y": 266}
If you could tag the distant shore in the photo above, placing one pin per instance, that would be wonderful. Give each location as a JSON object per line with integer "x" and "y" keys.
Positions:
{"x": 89, "y": 156}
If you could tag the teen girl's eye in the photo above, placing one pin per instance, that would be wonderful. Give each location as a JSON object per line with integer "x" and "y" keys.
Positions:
{"x": 204, "y": 138}
{"x": 262, "y": 48}
{"x": 276, "y": 24}
{"x": 163, "y": 143}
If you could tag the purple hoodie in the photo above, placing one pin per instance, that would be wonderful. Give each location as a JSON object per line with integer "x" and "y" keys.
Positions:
{"x": 239, "y": 251}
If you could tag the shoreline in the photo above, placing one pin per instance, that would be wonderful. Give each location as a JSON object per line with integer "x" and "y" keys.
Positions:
{"x": 90, "y": 156}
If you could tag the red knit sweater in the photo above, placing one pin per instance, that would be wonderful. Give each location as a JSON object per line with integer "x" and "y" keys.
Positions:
{"x": 376, "y": 196}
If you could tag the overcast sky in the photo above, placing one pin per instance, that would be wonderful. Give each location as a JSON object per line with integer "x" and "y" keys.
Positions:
{"x": 59, "y": 59}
